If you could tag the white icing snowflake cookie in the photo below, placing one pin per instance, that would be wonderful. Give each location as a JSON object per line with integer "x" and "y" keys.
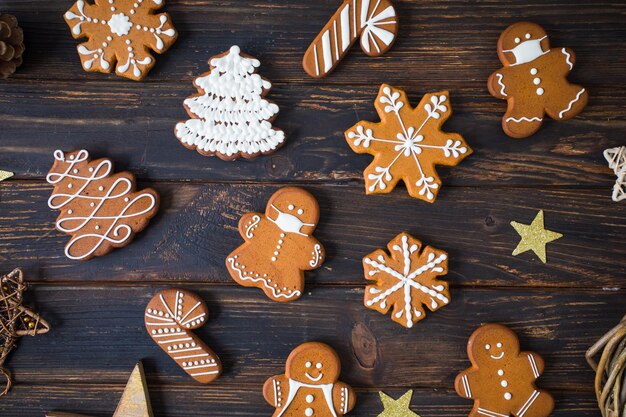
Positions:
{"x": 120, "y": 35}
{"x": 230, "y": 116}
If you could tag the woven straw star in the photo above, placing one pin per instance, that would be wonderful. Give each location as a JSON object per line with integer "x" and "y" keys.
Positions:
{"x": 617, "y": 162}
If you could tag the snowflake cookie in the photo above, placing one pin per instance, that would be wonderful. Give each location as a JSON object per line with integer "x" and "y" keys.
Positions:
{"x": 407, "y": 143}
{"x": 406, "y": 280}
{"x": 230, "y": 116}
{"x": 120, "y": 34}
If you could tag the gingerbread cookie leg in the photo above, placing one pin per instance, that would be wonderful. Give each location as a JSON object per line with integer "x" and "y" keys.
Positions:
{"x": 577, "y": 98}
{"x": 522, "y": 119}
{"x": 538, "y": 404}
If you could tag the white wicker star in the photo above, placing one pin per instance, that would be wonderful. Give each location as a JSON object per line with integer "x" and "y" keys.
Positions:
{"x": 617, "y": 162}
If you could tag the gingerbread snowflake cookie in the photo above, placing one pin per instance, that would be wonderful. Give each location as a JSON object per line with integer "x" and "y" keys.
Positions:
{"x": 406, "y": 280}
{"x": 501, "y": 380}
{"x": 279, "y": 245}
{"x": 310, "y": 386}
{"x": 230, "y": 116}
{"x": 408, "y": 143}
{"x": 100, "y": 209}
{"x": 120, "y": 35}
{"x": 170, "y": 317}
{"x": 534, "y": 80}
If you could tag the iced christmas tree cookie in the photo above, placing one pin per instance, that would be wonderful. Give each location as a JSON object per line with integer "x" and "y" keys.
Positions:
{"x": 310, "y": 386}
{"x": 120, "y": 35}
{"x": 100, "y": 209}
{"x": 230, "y": 116}
{"x": 375, "y": 22}
{"x": 407, "y": 143}
{"x": 279, "y": 245}
{"x": 534, "y": 80}
{"x": 406, "y": 280}
{"x": 501, "y": 380}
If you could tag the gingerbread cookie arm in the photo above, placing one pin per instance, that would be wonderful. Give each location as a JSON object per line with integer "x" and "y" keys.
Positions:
{"x": 497, "y": 85}
{"x": 276, "y": 390}
{"x": 465, "y": 382}
{"x": 317, "y": 253}
{"x": 248, "y": 224}
{"x": 344, "y": 398}
{"x": 170, "y": 317}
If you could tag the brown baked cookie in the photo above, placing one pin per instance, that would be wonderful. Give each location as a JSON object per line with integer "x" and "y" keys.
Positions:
{"x": 310, "y": 386}
{"x": 120, "y": 35}
{"x": 279, "y": 245}
{"x": 374, "y": 21}
{"x": 501, "y": 380}
{"x": 100, "y": 209}
{"x": 170, "y": 317}
{"x": 230, "y": 117}
{"x": 534, "y": 80}
{"x": 407, "y": 143}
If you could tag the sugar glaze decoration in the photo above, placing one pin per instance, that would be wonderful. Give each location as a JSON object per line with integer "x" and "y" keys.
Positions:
{"x": 170, "y": 317}
{"x": 230, "y": 116}
{"x": 100, "y": 209}
{"x": 534, "y": 80}
{"x": 501, "y": 380}
{"x": 616, "y": 157}
{"x": 279, "y": 246}
{"x": 407, "y": 143}
{"x": 310, "y": 386}
{"x": 375, "y": 22}
{"x": 406, "y": 279}
{"x": 120, "y": 35}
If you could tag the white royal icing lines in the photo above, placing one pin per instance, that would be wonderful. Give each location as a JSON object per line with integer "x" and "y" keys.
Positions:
{"x": 489, "y": 413}
{"x": 568, "y": 58}
{"x": 524, "y": 119}
{"x": 533, "y": 365}
{"x": 571, "y": 103}
{"x": 264, "y": 280}
{"x": 503, "y": 87}
{"x": 528, "y": 404}
{"x": 466, "y": 386}
{"x": 345, "y": 398}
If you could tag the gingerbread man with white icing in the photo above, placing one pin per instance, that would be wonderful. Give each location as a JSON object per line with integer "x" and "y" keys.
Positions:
{"x": 501, "y": 380}
{"x": 310, "y": 386}
{"x": 534, "y": 80}
{"x": 279, "y": 245}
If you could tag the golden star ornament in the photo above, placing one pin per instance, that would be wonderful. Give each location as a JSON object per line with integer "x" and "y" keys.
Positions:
{"x": 535, "y": 237}
{"x": 5, "y": 175}
{"x": 397, "y": 408}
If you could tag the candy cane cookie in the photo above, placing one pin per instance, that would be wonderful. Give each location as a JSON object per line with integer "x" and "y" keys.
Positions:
{"x": 374, "y": 21}
{"x": 170, "y": 317}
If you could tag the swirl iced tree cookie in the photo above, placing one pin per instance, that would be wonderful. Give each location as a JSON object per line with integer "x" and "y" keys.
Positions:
{"x": 100, "y": 209}
{"x": 501, "y": 380}
{"x": 375, "y": 22}
{"x": 310, "y": 386}
{"x": 407, "y": 143}
{"x": 120, "y": 35}
{"x": 279, "y": 245}
{"x": 406, "y": 280}
{"x": 230, "y": 116}
{"x": 534, "y": 80}
{"x": 170, "y": 317}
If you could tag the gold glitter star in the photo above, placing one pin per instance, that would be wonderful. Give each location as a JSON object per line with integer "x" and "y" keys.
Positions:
{"x": 534, "y": 237}
{"x": 397, "y": 408}
{"x": 5, "y": 174}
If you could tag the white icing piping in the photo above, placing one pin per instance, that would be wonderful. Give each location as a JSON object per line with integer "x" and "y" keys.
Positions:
{"x": 502, "y": 90}
{"x": 567, "y": 58}
{"x": 524, "y": 119}
{"x": 571, "y": 103}
{"x": 296, "y": 293}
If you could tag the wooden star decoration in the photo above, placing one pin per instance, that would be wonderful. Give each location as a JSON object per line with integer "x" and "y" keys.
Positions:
{"x": 397, "y": 408}
{"x": 5, "y": 175}
{"x": 15, "y": 319}
{"x": 616, "y": 157}
{"x": 534, "y": 237}
{"x": 135, "y": 400}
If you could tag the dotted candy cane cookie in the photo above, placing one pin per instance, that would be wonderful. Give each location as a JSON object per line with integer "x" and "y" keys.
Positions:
{"x": 534, "y": 80}
{"x": 170, "y": 318}
{"x": 310, "y": 386}
{"x": 501, "y": 380}
{"x": 120, "y": 35}
{"x": 374, "y": 21}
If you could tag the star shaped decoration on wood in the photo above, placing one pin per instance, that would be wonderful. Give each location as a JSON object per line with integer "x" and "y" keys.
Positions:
{"x": 616, "y": 157}
{"x": 135, "y": 400}
{"x": 535, "y": 237}
{"x": 15, "y": 319}
{"x": 397, "y": 408}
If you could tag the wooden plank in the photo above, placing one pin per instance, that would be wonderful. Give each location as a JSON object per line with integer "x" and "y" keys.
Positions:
{"x": 196, "y": 229}
{"x": 241, "y": 401}
{"x": 99, "y": 334}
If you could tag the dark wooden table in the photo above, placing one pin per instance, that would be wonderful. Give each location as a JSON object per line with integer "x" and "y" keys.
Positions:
{"x": 96, "y": 308}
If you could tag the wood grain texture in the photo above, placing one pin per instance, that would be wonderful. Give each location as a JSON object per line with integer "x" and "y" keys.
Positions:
{"x": 96, "y": 308}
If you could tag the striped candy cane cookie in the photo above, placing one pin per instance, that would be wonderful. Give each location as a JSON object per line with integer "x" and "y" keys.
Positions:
{"x": 170, "y": 318}
{"x": 374, "y": 21}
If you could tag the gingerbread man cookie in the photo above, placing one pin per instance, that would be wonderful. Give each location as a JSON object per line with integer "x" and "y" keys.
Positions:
{"x": 279, "y": 245}
{"x": 310, "y": 385}
{"x": 534, "y": 80}
{"x": 170, "y": 317}
{"x": 501, "y": 380}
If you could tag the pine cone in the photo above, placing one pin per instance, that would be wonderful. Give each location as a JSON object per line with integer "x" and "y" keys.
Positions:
{"x": 11, "y": 45}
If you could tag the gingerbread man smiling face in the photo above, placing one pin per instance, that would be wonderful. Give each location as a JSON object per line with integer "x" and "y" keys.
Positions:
{"x": 501, "y": 379}
{"x": 534, "y": 80}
